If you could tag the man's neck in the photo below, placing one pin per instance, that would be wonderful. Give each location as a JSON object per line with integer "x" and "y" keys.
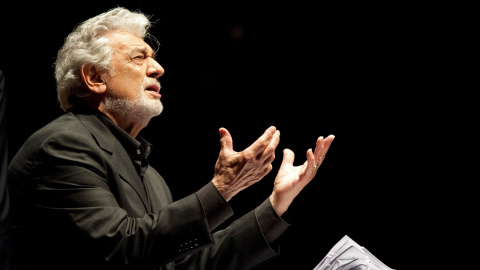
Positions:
{"x": 126, "y": 121}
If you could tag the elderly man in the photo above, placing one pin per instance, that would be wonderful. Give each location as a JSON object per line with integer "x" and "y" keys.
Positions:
{"x": 85, "y": 197}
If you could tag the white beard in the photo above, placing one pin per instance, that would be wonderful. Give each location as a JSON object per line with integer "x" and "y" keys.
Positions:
{"x": 140, "y": 109}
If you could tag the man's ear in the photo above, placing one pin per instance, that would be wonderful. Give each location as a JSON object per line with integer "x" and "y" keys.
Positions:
{"x": 93, "y": 79}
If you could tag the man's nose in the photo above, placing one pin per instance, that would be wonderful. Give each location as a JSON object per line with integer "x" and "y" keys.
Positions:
{"x": 154, "y": 69}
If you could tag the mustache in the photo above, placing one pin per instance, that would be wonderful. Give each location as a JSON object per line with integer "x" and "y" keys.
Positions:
{"x": 151, "y": 82}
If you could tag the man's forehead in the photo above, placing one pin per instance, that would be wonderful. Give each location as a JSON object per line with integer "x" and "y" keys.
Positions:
{"x": 127, "y": 41}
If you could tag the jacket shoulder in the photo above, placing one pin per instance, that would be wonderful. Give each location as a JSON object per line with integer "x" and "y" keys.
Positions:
{"x": 67, "y": 123}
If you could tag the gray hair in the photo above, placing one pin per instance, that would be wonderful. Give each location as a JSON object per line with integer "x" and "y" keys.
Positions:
{"x": 88, "y": 44}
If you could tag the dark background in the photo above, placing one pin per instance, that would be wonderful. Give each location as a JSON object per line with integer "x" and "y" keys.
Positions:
{"x": 366, "y": 72}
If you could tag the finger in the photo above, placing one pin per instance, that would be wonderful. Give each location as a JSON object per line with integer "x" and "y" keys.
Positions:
{"x": 270, "y": 149}
{"x": 226, "y": 141}
{"x": 319, "y": 150}
{"x": 259, "y": 145}
{"x": 288, "y": 157}
{"x": 267, "y": 169}
{"x": 328, "y": 141}
{"x": 322, "y": 147}
{"x": 269, "y": 159}
{"x": 311, "y": 165}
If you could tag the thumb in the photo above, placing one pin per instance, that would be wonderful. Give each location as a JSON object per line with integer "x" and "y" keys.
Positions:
{"x": 288, "y": 157}
{"x": 226, "y": 141}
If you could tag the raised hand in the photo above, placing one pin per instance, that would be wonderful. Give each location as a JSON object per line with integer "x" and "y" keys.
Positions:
{"x": 290, "y": 179}
{"x": 235, "y": 171}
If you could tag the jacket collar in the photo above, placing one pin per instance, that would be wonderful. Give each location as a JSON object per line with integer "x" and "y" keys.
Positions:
{"x": 109, "y": 143}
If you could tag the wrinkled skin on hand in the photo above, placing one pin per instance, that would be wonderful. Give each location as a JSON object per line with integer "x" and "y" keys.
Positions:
{"x": 235, "y": 171}
{"x": 290, "y": 179}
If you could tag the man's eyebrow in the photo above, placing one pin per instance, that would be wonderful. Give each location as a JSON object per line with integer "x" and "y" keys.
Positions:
{"x": 145, "y": 50}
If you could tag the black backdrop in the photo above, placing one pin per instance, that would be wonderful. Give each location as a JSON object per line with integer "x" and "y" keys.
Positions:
{"x": 354, "y": 70}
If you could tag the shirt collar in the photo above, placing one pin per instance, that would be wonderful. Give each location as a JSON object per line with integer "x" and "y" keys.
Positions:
{"x": 133, "y": 146}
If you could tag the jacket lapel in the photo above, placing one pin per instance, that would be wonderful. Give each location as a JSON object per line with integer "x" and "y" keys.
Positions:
{"x": 119, "y": 157}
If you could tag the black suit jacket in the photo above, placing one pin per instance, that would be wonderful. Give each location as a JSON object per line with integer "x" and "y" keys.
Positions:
{"x": 78, "y": 203}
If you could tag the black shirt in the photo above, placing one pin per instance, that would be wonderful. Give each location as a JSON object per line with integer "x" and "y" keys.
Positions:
{"x": 138, "y": 150}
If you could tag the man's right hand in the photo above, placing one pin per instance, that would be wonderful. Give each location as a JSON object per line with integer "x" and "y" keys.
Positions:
{"x": 235, "y": 171}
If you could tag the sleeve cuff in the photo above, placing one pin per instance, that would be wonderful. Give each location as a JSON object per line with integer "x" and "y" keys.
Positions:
{"x": 215, "y": 206}
{"x": 270, "y": 223}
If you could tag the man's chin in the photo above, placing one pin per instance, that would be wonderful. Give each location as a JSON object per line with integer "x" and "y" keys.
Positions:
{"x": 140, "y": 109}
{"x": 156, "y": 109}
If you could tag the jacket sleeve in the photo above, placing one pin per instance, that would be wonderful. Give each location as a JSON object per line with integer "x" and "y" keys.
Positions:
{"x": 246, "y": 243}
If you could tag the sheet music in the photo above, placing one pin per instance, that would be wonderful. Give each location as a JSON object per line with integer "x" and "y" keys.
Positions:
{"x": 346, "y": 254}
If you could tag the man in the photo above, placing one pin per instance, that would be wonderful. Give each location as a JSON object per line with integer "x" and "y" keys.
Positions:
{"x": 85, "y": 197}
